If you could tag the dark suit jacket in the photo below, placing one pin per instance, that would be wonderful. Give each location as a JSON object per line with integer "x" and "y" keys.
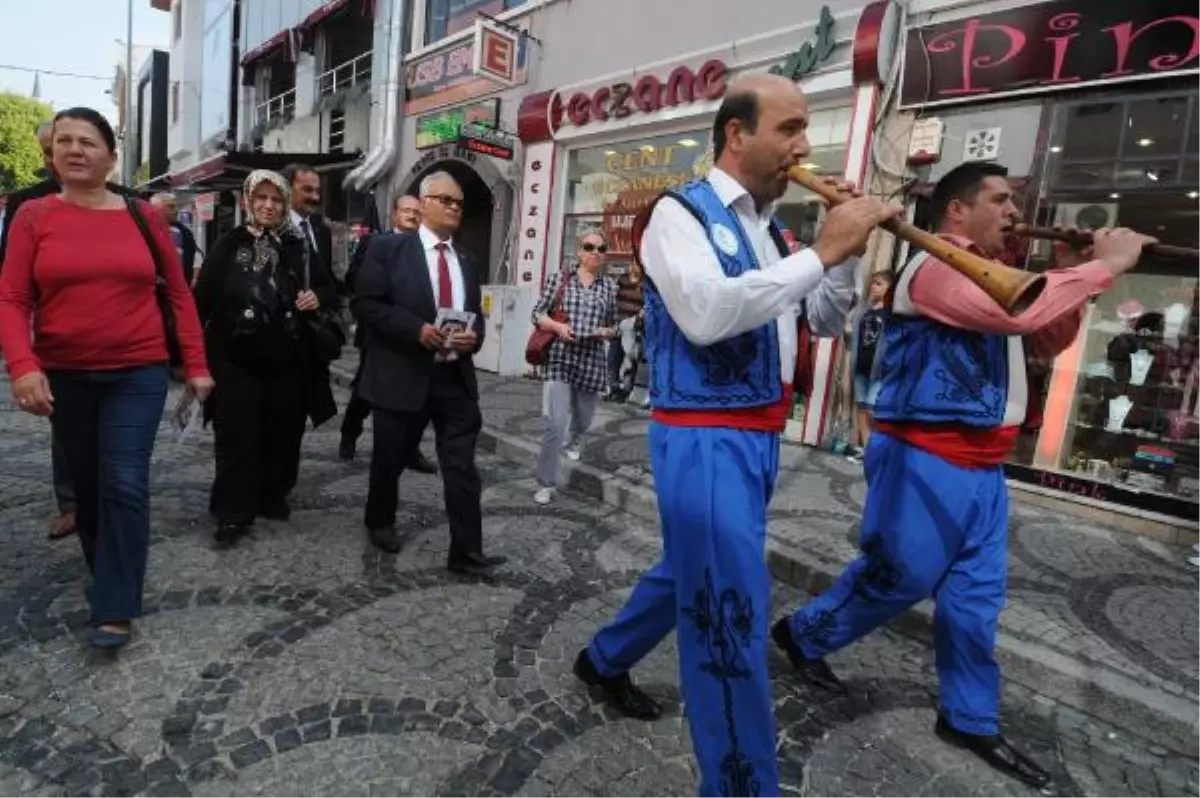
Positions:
{"x": 323, "y": 257}
{"x": 393, "y": 299}
{"x": 42, "y": 189}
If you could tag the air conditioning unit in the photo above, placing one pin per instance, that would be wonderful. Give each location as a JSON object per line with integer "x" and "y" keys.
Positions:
{"x": 1086, "y": 215}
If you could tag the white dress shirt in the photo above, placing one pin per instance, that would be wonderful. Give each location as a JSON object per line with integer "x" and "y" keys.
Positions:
{"x": 458, "y": 293}
{"x": 708, "y": 306}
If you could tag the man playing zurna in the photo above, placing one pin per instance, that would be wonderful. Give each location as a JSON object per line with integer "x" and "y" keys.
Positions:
{"x": 952, "y": 398}
{"x": 723, "y": 295}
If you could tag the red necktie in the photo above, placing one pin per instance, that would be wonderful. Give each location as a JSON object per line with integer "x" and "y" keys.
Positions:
{"x": 445, "y": 288}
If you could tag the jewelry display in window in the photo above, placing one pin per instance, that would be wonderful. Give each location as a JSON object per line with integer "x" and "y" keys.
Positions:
{"x": 1139, "y": 366}
{"x": 1118, "y": 409}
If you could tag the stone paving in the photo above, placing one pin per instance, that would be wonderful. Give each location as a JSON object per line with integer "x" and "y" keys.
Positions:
{"x": 304, "y": 661}
{"x": 1086, "y": 605}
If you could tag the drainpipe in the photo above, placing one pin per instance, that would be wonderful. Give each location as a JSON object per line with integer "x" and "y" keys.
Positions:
{"x": 386, "y": 96}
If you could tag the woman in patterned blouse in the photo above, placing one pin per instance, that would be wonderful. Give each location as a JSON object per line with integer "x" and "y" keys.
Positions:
{"x": 576, "y": 372}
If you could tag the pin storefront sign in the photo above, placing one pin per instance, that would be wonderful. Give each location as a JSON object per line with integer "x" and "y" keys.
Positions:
{"x": 649, "y": 93}
{"x": 1066, "y": 44}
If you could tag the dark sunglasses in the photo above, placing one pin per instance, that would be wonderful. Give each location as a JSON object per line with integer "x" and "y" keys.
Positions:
{"x": 589, "y": 247}
{"x": 447, "y": 201}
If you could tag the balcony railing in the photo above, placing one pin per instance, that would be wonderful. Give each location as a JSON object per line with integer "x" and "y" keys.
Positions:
{"x": 345, "y": 75}
{"x": 281, "y": 106}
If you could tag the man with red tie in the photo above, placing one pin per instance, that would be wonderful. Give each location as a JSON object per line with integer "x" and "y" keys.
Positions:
{"x": 418, "y": 373}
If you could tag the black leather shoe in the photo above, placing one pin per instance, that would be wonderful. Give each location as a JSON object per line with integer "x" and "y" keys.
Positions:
{"x": 228, "y": 534}
{"x": 618, "y": 691}
{"x": 346, "y": 451}
{"x": 814, "y": 671}
{"x": 275, "y": 511}
{"x": 475, "y": 564}
{"x": 997, "y": 752}
{"x": 386, "y": 538}
{"x": 422, "y": 464}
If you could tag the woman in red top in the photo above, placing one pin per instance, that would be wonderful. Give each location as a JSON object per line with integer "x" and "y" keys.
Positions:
{"x": 80, "y": 273}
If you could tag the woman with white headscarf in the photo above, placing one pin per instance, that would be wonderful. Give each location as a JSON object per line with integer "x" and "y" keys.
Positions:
{"x": 252, "y": 295}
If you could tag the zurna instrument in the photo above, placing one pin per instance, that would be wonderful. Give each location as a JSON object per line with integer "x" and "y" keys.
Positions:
{"x": 1012, "y": 289}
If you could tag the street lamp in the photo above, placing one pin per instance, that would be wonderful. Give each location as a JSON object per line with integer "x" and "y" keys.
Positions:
{"x": 126, "y": 153}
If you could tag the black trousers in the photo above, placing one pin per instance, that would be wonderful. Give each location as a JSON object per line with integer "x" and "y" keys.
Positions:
{"x": 357, "y": 410}
{"x": 456, "y": 424}
{"x": 258, "y": 423}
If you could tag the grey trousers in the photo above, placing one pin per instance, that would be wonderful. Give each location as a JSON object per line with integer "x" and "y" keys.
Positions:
{"x": 64, "y": 488}
{"x": 567, "y": 413}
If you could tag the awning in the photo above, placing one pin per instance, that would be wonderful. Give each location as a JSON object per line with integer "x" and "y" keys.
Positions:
{"x": 228, "y": 170}
{"x": 323, "y": 12}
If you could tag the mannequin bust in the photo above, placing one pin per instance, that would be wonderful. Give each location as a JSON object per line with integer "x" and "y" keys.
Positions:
{"x": 1118, "y": 409}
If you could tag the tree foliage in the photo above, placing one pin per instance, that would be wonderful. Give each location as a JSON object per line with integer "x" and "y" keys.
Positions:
{"x": 20, "y": 154}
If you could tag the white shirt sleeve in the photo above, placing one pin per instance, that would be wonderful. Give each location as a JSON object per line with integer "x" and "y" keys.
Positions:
{"x": 830, "y": 301}
{"x": 705, "y": 304}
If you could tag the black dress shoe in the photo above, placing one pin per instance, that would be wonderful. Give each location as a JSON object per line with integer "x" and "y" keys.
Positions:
{"x": 275, "y": 511}
{"x": 228, "y": 534}
{"x": 475, "y": 564}
{"x": 619, "y": 691}
{"x": 814, "y": 671}
{"x": 386, "y": 538}
{"x": 346, "y": 451}
{"x": 997, "y": 752}
{"x": 422, "y": 464}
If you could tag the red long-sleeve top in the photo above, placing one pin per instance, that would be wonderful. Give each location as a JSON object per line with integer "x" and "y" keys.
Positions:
{"x": 84, "y": 278}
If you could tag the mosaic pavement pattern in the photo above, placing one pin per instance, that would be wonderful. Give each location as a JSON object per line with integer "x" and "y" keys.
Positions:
{"x": 1096, "y": 595}
{"x": 304, "y": 661}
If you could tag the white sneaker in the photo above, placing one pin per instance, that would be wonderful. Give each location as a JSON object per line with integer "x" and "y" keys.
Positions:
{"x": 573, "y": 454}
{"x": 543, "y": 496}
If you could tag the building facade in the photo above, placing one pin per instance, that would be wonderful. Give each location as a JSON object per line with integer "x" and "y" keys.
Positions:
{"x": 1093, "y": 108}
{"x": 151, "y": 113}
{"x": 594, "y": 108}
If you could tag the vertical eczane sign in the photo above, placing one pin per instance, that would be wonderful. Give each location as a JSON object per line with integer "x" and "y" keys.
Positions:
{"x": 533, "y": 231}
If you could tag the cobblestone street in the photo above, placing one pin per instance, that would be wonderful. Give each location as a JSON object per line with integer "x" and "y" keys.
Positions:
{"x": 305, "y": 661}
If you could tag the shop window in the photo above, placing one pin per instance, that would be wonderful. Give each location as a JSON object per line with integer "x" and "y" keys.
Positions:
{"x": 1120, "y": 406}
{"x": 444, "y": 17}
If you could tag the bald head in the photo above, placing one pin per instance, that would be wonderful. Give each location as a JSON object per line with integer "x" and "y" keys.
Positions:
{"x": 760, "y": 131}
{"x": 165, "y": 202}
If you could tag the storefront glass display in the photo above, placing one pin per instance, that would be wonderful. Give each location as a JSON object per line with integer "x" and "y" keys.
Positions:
{"x": 1120, "y": 406}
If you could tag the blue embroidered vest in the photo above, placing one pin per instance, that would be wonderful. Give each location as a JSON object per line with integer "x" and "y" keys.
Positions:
{"x": 933, "y": 373}
{"x": 739, "y": 372}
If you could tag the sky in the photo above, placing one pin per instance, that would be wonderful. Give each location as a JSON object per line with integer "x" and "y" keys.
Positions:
{"x": 76, "y": 36}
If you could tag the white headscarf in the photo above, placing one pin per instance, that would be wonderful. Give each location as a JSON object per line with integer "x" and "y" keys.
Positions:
{"x": 274, "y": 178}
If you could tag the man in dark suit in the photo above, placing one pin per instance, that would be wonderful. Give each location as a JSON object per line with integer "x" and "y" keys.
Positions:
{"x": 64, "y": 490}
{"x": 306, "y": 215}
{"x": 416, "y": 373}
{"x": 406, "y": 218}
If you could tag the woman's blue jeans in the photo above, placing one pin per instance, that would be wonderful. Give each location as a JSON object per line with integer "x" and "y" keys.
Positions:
{"x": 106, "y": 422}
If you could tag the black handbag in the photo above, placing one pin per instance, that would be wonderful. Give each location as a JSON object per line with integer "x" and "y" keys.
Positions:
{"x": 161, "y": 293}
{"x": 322, "y": 328}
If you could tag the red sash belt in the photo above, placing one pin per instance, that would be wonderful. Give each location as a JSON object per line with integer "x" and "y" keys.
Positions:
{"x": 964, "y": 446}
{"x": 765, "y": 418}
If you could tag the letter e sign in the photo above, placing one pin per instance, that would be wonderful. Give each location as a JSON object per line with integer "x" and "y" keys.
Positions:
{"x": 497, "y": 55}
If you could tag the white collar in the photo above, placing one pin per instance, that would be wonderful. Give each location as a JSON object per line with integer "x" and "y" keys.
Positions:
{"x": 429, "y": 239}
{"x": 729, "y": 191}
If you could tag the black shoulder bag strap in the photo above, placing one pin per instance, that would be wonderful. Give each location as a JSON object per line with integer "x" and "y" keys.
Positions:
{"x": 161, "y": 294}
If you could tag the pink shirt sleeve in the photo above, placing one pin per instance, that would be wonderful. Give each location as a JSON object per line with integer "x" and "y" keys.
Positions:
{"x": 1052, "y": 321}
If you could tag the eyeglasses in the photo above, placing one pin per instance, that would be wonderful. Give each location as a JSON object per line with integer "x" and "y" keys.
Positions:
{"x": 590, "y": 247}
{"x": 447, "y": 201}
